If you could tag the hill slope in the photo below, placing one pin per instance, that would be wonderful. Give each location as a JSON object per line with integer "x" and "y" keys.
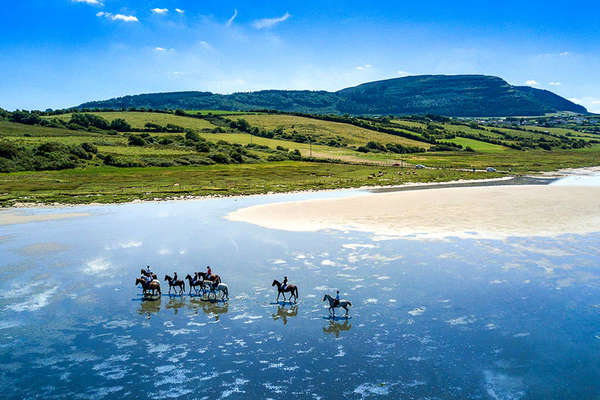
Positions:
{"x": 451, "y": 95}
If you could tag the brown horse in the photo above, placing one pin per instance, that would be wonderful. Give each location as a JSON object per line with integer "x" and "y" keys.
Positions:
{"x": 214, "y": 278}
{"x": 178, "y": 284}
{"x": 194, "y": 284}
{"x": 289, "y": 288}
{"x": 153, "y": 285}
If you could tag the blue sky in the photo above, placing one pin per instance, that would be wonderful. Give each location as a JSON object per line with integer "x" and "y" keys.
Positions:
{"x": 59, "y": 53}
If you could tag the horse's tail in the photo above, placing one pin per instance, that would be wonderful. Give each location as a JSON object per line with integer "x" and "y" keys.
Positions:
{"x": 226, "y": 291}
{"x": 350, "y": 304}
{"x": 296, "y": 292}
{"x": 183, "y": 285}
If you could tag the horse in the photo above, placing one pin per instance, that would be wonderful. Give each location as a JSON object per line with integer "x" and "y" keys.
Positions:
{"x": 221, "y": 287}
{"x": 178, "y": 284}
{"x": 332, "y": 306}
{"x": 213, "y": 277}
{"x": 290, "y": 288}
{"x": 153, "y": 285}
{"x": 193, "y": 284}
{"x": 146, "y": 273}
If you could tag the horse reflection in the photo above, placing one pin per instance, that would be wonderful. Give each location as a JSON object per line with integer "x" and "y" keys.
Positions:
{"x": 336, "y": 328}
{"x": 210, "y": 307}
{"x": 175, "y": 303}
{"x": 283, "y": 313}
{"x": 149, "y": 306}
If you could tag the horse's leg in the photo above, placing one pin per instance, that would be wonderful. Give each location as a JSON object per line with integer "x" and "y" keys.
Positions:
{"x": 277, "y": 299}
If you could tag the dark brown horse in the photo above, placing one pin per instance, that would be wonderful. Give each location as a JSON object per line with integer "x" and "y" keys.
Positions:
{"x": 153, "y": 285}
{"x": 193, "y": 284}
{"x": 289, "y": 288}
{"x": 177, "y": 284}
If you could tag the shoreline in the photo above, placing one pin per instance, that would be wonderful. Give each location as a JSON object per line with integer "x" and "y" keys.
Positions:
{"x": 548, "y": 176}
{"x": 484, "y": 212}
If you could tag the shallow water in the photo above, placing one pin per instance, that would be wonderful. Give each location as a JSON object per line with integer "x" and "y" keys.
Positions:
{"x": 451, "y": 319}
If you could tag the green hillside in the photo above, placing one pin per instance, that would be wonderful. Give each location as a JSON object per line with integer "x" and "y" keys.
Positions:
{"x": 450, "y": 95}
{"x": 113, "y": 156}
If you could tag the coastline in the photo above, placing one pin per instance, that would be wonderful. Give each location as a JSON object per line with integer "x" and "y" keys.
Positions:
{"x": 543, "y": 177}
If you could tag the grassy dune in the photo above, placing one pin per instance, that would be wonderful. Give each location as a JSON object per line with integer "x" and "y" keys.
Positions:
{"x": 109, "y": 184}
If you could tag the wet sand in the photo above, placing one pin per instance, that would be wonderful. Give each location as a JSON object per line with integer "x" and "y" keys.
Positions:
{"x": 494, "y": 212}
{"x": 8, "y": 218}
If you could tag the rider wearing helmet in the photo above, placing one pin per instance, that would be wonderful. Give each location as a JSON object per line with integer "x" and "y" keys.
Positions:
{"x": 174, "y": 277}
{"x": 337, "y": 299}
{"x": 285, "y": 283}
{"x": 208, "y": 272}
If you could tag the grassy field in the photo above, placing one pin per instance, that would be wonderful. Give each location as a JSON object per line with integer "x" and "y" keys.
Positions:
{"x": 261, "y": 170}
{"x": 351, "y": 134}
{"x": 477, "y": 145}
{"x": 109, "y": 184}
{"x": 137, "y": 120}
{"x": 515, "y": 160}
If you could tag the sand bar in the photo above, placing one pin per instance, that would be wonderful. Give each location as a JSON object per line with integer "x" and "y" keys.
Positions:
{"x": 12, "y": 218}
{"x": 494, "y": 212}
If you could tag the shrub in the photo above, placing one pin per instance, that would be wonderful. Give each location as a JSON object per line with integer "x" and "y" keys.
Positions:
{"x": 120, "y": 125}
{"x": 8, "y": 150}
{"x": 203, "y": 147}
{"x": 277, "y": 157}
{"x": 220, "y": 158}
{"x": 192, "y": 136}
{"x": 90, "y": 148}
{"x": 174, "y": 128}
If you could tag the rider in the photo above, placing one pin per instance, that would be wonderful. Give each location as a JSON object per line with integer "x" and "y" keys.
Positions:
{"x": 148, "y": 270}
{"x": 208, "y": 273}
{"x": 174, "y": 277}
{"x": 337, "y": 299}
{"x": 285, "y": 283}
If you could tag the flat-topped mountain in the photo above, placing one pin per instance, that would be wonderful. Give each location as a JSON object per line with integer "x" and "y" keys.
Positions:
{"x": 450, "y": 95}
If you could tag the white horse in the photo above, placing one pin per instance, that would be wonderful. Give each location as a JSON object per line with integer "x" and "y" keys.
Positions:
{"x": 221, "y": 287}
{"x": 332, "y": 306}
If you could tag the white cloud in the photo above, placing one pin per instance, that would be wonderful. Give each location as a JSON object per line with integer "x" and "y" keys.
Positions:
{"x": 230, "y": 20}
{"x": 531, "y": 82}
{"x": 160, "y": 11}
{"x": 179, "y": 10}
{"x": 554, "y": 83}
{"x": 270, "y": 22}
{"x": 205, "y": 45}
{"x": 117, "y": 17}
{"x": 92, "y": 2}
{"x": 363, "y": 67}
{"x": 564, "y": 53}
{"x": 163, "y": 50}
{"x": 402, "y": 73}
{"x": 591, "y": 103}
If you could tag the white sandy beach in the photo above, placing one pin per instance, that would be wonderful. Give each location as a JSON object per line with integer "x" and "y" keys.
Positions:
{"x": 485, "y": 212}
{"x": 9, "y": 218}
